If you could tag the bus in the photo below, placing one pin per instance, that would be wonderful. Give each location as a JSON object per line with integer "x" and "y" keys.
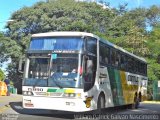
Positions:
{"x": 79, "y": 71}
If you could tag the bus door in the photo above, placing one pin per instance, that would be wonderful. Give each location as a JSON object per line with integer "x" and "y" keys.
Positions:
{"x": 89, "y": 74}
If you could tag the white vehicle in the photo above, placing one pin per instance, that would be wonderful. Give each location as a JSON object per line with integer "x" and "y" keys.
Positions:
{"x": 78, "y": 71}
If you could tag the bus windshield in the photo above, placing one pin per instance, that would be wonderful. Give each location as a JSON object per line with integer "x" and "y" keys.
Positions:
{"x": 58, "y": 70}
{"x": 37, "y": 71}
{"x": 56, "y": 43}
{"x": 64, "y": 71}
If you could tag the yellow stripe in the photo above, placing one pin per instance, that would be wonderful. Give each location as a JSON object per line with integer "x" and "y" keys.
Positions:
{"x": 152, "y": 102}
{"x": 128, "y": 90}
{"x": 69, "y": 91}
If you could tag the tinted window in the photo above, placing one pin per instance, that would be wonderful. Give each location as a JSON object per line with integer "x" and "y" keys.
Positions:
{"x": 104, "y": 54}
{"x": 92, "y": 45}
{"x": 115, "y": 58}
{"x": 56, "y": 43}
{"x": 123, "y": 62}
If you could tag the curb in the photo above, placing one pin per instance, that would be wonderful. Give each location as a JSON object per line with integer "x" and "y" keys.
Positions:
{"x": 156, "y": 102}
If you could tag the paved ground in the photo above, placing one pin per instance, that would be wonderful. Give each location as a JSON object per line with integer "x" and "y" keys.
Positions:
{"x": 11, "y": 109}
{"x": 5, "y": 103}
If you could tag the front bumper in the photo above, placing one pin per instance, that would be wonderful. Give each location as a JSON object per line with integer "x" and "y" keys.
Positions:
{"x": 58, "y": 103}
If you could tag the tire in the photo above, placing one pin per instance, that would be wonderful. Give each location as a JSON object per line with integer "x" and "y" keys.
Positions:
{"x": 136, "y": 104}
{"x": 100, "y": 103}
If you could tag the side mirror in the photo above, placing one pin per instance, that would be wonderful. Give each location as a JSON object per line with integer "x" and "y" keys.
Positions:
{"x": 21, "y": 65}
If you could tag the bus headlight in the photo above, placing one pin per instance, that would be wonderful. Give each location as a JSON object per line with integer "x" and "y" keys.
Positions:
{"x": 66, "y": 95}
{"x": 30, "y": 93}
{"x": 73, "y": 95}
{"x": 78, "y": 95}
{"x": 27, "y": 93}
{"x": 24, "y": 92}
{"x": 69, "y": 94}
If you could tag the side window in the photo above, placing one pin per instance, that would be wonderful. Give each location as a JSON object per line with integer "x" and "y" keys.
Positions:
{"x": 146, "y": 69}
{"x": 113, "y": 57}
{"x": 123, "y": 62}
{"x": 118, "y": 59}
{"x": 133, "y": 65}
{"x": 91, "y": 45}
{"x": 104, "y": 54}
{"x": 129, "y": 64}
{"x": 139, "y": 67}
{"x": 136, "y": 66}
{"x": 143, "y": 68}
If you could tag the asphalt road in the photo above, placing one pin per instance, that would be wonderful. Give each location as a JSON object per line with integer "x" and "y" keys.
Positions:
{"x": 11, "y": 109}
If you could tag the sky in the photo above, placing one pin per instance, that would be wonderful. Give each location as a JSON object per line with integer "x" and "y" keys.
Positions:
{"x": 7, "y": 7}
{"x": 135, "y": 3}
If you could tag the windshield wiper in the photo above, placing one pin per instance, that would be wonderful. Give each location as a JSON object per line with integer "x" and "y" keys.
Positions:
{"x": 58, "y": 84}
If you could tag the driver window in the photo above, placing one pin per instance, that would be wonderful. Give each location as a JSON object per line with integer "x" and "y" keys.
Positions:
{"x": 38, "y": 68}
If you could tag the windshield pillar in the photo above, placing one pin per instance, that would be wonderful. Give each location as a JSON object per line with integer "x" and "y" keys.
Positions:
{"x": 79, "y": 76}
{"x": 26, "y": 70}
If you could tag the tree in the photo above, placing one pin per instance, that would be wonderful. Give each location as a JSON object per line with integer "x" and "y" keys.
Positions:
{"x": 9, "y": 49}
{"x": 2, "y": 76}
{"x": 153, "y": 15}
{"x": 153, "y": 43}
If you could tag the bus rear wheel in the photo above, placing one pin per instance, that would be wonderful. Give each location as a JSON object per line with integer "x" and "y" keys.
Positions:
{"x": 136, "y": 103}
{"x": 100, "y": 103}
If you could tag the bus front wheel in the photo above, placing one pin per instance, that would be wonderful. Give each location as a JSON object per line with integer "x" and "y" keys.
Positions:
{"x": 100, "y": 103}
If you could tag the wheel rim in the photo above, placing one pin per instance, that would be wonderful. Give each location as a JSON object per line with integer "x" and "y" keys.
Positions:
{"x": 102, "y": 102}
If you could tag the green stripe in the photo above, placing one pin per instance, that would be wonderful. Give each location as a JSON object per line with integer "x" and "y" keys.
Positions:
{"x": 51, "y": 90}
{"x": 56, "y": 90}
{"x": 60, "y": 90}
{"x": 116, "y": 86}
{"x": 119, "y": 87}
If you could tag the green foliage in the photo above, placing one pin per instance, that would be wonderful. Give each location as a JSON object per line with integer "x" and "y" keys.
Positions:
{"x": 154, "y": 42}
{"x": 2, "y": 76}
{"x": 9, "y": 49}
{"x": 153, "y": 15}
{"x": 14, "y": 76}
{"x": 153, "y": 69}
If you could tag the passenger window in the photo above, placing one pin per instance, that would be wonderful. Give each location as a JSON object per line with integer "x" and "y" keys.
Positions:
{"x": 92, "y": 45}
{"x": 113, "y": 57}
{"x": 104, "y": 54}
{"x": 130, "y": 64}
{"x": 123, "y": 62}
{"x": 118, "y": 59}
